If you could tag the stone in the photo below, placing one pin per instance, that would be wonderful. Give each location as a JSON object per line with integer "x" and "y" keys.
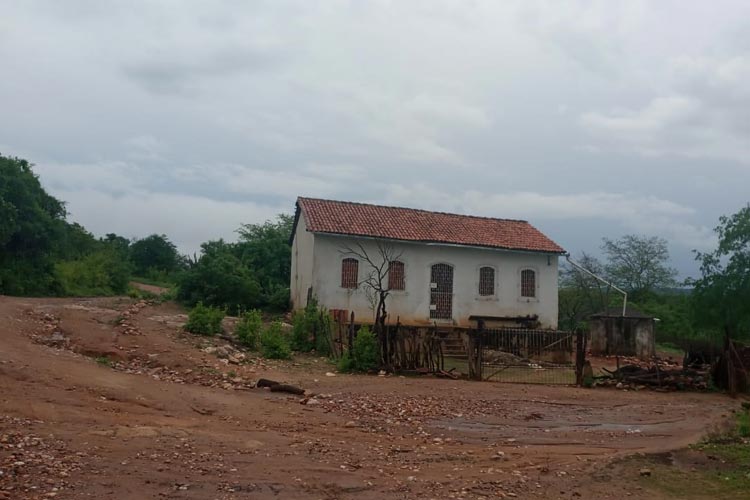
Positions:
{"x": 645, "y": 472}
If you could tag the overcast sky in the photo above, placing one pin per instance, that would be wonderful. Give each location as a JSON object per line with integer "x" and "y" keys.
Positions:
{"x": 588, "y": 119}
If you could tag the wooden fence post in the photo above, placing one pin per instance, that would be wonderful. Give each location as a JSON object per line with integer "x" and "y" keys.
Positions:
{"x": 580, "y": 356}
{"x": 351, "y": 334}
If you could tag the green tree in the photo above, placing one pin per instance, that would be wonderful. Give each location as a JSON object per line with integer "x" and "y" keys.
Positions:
{"x": 580, "y": 294}
{"x": 31, "y": 224}
{"x": 638, "y": 264}
{"x": 722, "y": 293}
{"x": 154, "y": 253}
{"x": 265, "y": 249}
{"x": 118, "y": 243}
{"x": 252, "y": 273}
{"x": 219, "y": 278}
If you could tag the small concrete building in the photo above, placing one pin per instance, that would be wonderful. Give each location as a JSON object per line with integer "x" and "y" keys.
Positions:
{"x": 628, "y": 335}
{"x": 446, "y": 269}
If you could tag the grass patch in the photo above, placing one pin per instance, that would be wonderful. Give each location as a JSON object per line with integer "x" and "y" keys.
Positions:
{"x": 104, "y": 361}
{"x": 727, "y": 481}
{"x": 717, "y": 467}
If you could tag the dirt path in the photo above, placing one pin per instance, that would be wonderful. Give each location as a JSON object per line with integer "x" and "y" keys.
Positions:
{"x": 156, "y": 290}
{"x": 106, "y": 398}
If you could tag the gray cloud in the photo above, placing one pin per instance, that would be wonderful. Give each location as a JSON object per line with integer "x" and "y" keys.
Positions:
{"x": 179, "y": 71}
{"x": 190, "y": 118}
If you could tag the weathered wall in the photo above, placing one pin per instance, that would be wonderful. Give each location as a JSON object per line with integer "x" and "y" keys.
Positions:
{"x": 303, "y": 248}
{"x": 645, "y": 341}
{"x": 413, "y": 304}
{"x": 622, "y": 336}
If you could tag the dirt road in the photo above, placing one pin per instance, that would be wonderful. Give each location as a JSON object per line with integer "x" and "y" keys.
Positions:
{"x": 106, "y": 398}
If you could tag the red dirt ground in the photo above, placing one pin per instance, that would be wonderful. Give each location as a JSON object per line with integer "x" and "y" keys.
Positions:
{"x": 106, "y": 398}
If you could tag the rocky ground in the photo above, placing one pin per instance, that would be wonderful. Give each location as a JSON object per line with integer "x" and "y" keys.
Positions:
{"x": 108, "y": 398}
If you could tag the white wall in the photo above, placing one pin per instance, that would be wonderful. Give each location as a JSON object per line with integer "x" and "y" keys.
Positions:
{"x": 413, "y": 304}
{"x": 301, "y": 279}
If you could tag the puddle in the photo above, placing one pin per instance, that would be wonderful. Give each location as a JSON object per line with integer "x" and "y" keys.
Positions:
{"x": 487, "y": 427}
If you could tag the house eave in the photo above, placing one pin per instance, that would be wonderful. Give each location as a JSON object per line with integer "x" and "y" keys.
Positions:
{"x": 443, "y": 244}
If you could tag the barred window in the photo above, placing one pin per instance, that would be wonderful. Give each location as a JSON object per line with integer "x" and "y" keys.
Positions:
{"x": 349, "y": 273}
{"x": 486, "y": 281}
{"x": 528, "y": 283}
{"x": 396, "y": 275}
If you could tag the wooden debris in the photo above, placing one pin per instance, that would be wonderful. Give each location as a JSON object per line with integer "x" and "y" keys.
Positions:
{"x": 278, "y": 386}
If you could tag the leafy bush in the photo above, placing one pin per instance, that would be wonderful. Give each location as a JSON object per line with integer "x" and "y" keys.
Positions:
{"x": 278, "y": 298}
{"x": 219, "y": 279}
{"x": 743, "y": 423}
{"x": 311, "y": 329}
{"x": 364, "y": 355}
{"x": 252, "y": 273}
{"x": 248, "y": 328}
{"x": 99, "y": 273}
{"x": 273, "y": 343}
{"x": 345, "y": 363}
{"x": 204, "y": 320}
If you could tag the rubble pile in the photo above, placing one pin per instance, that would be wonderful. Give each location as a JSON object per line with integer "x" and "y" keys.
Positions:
{"x": 124, "y": 323}
{"x": 206, "y": 375}
{"x": 663, "y": 364}
{"x": 385, "y": 413}
{"x": 49, "y": 332}
{"x": 32, "y": 467}
{"x": 657, "y": 377}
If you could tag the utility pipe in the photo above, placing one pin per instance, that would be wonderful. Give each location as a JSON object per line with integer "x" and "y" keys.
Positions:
{"x": 623, "y": 292}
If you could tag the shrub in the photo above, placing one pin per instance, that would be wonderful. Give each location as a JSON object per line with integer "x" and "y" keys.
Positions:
{"x": 301, "y": 331}
{"x": 204, "y": 320}
{"x": 99, "y": 273}
{"x": 364, "y": 355}
{"x": 248, "y": 328}
{"x": 345, "y": 363}
{"x": 743, "y": 423}
{"x": 219, "y": 279}
{"x": 311, "y": 329}
{"x": 273, "y": 344}
{"x": 278, "y": 298}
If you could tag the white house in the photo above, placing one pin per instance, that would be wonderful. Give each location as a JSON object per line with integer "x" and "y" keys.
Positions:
{"x": 446, "y": 269}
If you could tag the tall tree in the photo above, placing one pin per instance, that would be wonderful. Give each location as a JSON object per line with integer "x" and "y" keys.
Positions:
{"x": 154, "y": 253}
{"x": 580, "y": 294}
{"x": 31, "y": 225}
{"x": 377, "y": 261}
{"x": 722, "y": 293}
{"x": 638, "y": 264}
{"x": 265, "y": 249}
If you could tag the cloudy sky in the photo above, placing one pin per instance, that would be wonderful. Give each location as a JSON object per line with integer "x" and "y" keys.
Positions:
{"x": 588, "y": 119}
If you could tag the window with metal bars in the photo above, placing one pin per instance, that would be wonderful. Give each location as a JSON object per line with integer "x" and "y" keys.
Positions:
{"x": 441, "y": 291}
{"x": 396, "y": 276}
{"x": 486, "y": 281}
{"x": 349, "y": 273}
{"x": 528, "y": 283}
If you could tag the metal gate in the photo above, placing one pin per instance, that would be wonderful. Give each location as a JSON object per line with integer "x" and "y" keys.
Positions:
{"x": 526, "y": 356}
{"x": 441, "y": 291}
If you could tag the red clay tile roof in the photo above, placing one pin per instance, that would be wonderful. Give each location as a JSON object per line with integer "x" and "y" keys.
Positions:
{"x": 408, "y": 224}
